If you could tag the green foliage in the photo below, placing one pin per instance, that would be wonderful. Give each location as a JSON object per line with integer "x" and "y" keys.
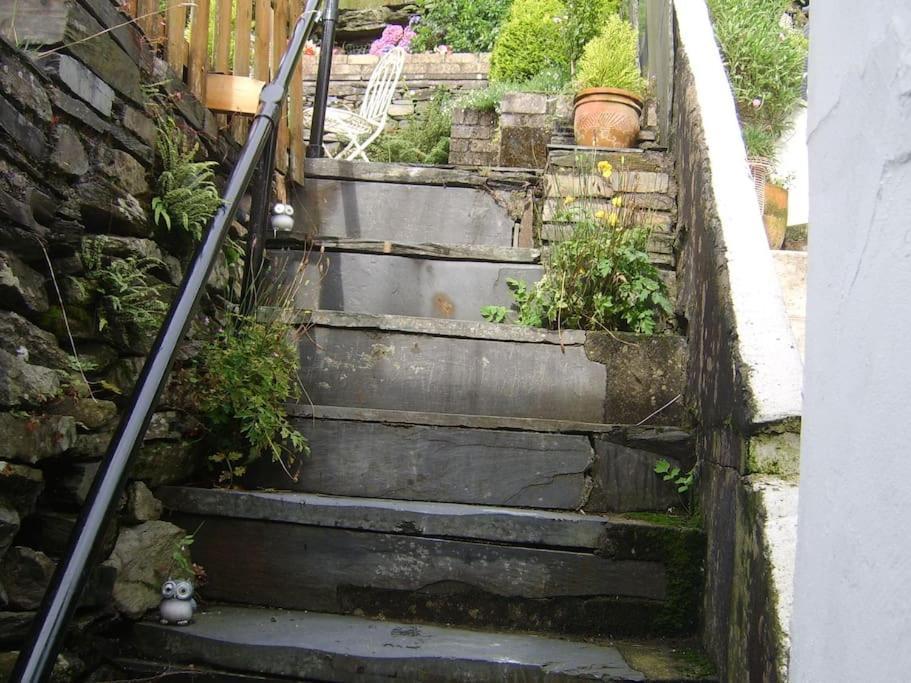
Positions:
{"x": 760, "y": 141}
{"x": 489, "y": 98}
{"x": 126, "y": 287}
{"x": 529, "y": 42}
{"x": 425, "y": 140}
{"x": 495, "y": 314}
{"x": 186, "y": 192}
{"x": 611, "y": 60}
{"x": 584, "y": 20}
{"x": 682, "y": 481}
{"x": 242, "y": 379}
{"x": 765, "y": 63}
{"x": 601, "y": 277}
{"x": 463, "y": 25}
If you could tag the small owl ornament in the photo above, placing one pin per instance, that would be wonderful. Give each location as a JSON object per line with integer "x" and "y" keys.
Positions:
{"x": 282, "y": 218}
{"x": 177, "y": 603}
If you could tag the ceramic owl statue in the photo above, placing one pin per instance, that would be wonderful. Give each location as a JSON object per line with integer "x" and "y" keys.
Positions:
{"x": 282, "y": 218}
{"x": 177, "y": 603}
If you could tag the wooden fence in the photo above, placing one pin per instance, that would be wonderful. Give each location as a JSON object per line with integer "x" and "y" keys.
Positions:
{"x": 206, "y": 40}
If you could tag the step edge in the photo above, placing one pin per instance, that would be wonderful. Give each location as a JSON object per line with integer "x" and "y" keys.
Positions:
{"x": 429, "y": 250}
{"x": 484, "y": 422}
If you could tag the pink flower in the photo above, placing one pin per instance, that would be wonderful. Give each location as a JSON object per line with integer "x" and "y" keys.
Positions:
{"x": 392, "y": 34}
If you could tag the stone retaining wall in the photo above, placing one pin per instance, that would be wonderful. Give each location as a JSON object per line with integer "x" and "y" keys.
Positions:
{"x": 423, "y": 75}
{"x": 77, "y": 161}
{"x": 475, "y": 138}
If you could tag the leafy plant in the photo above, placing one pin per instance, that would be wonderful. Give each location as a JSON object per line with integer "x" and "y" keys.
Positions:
{"x": 186, "y": 192}
{"x": 529, "y": 42}
{"x": 601, "y": 277}
{"x": 463, "y": 25}
{"x": 244, "y": 373}
{"x": 682, "y": 481}
{"x": 489, "y": 98}
{"x": 584, "y": 19}
{"x": 425, "y": 140}
{"x": 127, "y": 288}
{"x": 611, "y": 60}
{"x": 765, "y": 61}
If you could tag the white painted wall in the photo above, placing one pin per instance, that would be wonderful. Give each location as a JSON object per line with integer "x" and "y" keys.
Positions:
{"x": 791, "y": 154}
{"x": 852, "y": 612}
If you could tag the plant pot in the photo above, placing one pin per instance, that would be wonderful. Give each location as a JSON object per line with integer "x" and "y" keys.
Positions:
{"x": 775, "y": 215}
{"x": 606, "y": 117}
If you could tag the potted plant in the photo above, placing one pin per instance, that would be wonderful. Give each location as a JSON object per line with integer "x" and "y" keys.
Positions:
{"x": 610, "y": 88}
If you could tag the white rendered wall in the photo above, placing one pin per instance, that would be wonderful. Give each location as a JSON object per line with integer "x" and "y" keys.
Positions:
{"x": 852, "y": 608}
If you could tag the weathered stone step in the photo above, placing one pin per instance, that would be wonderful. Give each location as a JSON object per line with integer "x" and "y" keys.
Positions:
{"x": 325, "y": 647}
{"x": 347, "y": 199}
{"x": 316, "y": 555}
{"x": 411, "y": 285}
{"x": 450, "y": 366}
{"x": 480, "y": 460}
{"x": 607, "y": 535}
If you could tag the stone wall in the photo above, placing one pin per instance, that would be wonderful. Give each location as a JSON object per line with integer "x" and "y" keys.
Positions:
{"x": 423, "y": 76}
{"x": 76, "y": 177}
{"x": 475, "y": 139}
{"x": 744, "y": 375}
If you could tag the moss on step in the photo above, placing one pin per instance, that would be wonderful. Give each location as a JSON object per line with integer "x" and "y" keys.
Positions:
{"x": 662, "y": 661}
{"x": 664, "y": 519}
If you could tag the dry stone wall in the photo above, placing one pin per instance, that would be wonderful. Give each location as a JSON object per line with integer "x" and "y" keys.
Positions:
{"x": 77, "y": 161}
{"x": 423, "y": 76}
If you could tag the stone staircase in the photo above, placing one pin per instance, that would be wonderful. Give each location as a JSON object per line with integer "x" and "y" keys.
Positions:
{"x": 480, "y": 502}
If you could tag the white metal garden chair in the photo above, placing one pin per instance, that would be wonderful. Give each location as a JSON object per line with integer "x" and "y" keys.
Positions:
{"x": 359, "y": 129}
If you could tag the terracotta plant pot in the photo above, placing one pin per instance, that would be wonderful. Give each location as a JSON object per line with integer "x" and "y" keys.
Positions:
{"x": 606, "y": 117}
{"x": 775, "y": 215}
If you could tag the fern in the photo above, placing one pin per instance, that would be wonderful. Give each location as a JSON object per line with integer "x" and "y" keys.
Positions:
{"x": 186, "y": 194}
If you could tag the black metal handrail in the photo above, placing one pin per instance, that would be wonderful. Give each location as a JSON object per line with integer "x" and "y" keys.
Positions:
{"x": 37, "y": 657}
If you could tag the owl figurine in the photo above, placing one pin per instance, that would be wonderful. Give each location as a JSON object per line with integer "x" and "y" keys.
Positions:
{"x": 282, "y": 218}
{"x": 177, "y": 603}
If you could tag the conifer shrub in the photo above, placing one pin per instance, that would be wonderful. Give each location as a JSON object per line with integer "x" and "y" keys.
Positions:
{"x": 531, "y": 41}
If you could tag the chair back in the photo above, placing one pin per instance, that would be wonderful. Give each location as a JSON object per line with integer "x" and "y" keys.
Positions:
{"x": 382, "y": 84}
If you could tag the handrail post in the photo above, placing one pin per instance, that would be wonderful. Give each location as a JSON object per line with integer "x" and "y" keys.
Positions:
{"x": 321, "y": 96}
{"x": 36, "y": 660}
{"x": 256, "y": 228}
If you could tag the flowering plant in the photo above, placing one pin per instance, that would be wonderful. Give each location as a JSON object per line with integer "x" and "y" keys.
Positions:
{"x": 395, "y": 36}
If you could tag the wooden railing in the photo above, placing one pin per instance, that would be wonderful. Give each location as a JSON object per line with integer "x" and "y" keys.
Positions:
{"x": 225, "y": 50}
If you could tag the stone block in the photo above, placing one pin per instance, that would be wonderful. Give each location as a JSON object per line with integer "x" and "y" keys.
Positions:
{"x": 21, "y": 287}
{"x": 89, "y": 413}
{"x": 21, "y": 84}
{"x": 140, "y": 124}
{"x": 401, "y": 110}
{"x": 25, "y": 575}
{"x": 143, "y": 558}
{"x": 14, "y": 627}
{"x": 50, "y": 532}
{"x": 142, "y": 506}
{"x": 24, "y": 384}
{"x": 31, "y": 439}
{"x": 459, "y": 145}
{"x": 655, "y": 365}
{"x": 165, "y": 462}
{"x": 524, "y": 147}
{"x": 20, "y": 486}
{"x": 9, "y": 526}
{"x": 29, "y": 138}
{"x": 72, "y": 486}
{"x": 124, "y": 170}
{"x": 624, "y": 480}
{"x": 68, "y": 155}
{"x": 640, "y": 181}
{"x": 20, "y": 337}
{"x": 80, "y": 81}
{"x": 105, "y": 208}
{"x": 524, "y": 103}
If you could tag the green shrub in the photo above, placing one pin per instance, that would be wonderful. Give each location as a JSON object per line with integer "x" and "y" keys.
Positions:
{"x": 529, "y": 42}
{"x": 584, "y": 20}
{"x": 765, "y": 64}
{"x": 489, "y": 98}
{"x": 424, "y": 140}
{"x": 600, "y": 278}
{"x": 185, "y": 190}
{"x": 611, "y": 60}
{"x": 463, "y": 25}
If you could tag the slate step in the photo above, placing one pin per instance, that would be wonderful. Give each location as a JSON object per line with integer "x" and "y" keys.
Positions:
{"x": 412, "y": 204}
{"x": 411, "y": 282}
{"x": 473, "y": 368}
{"x": 471, "y": 565}
{"x": 481, "y": 460}
{"x": 325, "y": 647}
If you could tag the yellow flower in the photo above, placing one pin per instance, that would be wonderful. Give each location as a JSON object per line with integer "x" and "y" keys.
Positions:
{"x": 617, "y": 201}
{"x": 612, "y": 220}
{"x": 600, "y": 214}
{"x": 568, "y": 200}
{"x": 605, "y": 168}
